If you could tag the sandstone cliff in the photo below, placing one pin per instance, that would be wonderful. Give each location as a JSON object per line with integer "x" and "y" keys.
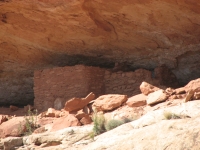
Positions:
{"x": 46, "y": 33}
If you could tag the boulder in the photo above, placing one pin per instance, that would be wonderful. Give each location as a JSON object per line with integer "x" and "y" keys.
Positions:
{"x": 13, "y": 127}
{"x": 109, "y": 102}
{"x": 65, "y": 122}
{"x": 86, "y": 120}
{"x": 156, "y": 97}
{"x": 75, "y": 104}
{"x": 12, "y": 143}
{"x": 83, "y": 116}
{"x": 80, "y": 114}
{"x": 147, "y": 88}
{"x": 193, "y": 85}
{"x": 137, "y": 100}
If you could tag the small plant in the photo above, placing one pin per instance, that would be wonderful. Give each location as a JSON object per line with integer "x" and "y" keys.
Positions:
{"x": 169, "y": 115}
{"x": 99, "y": 122}
{"x": 111, "y": 124}
{"x": 101, "y": 125}
{"x": 30, "y": 123}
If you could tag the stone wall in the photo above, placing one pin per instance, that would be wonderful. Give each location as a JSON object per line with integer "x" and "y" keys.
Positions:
{"x": 53, "y": 87}
{"x": 126, "y": 82}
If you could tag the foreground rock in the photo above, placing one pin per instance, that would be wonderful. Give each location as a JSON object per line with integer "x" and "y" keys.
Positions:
{"x": 13, "y": 127}
{"x": 152, "y": 130}
{"x": 11, "y": 143}
{"x": 65, "y": 122}
{"x": 109, "y": 102}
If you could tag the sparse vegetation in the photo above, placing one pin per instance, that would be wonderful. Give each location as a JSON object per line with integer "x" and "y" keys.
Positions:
{"x": 99, "y": 124}
{"x": 111, "y": 124}
{"x": 169, "y": 116}
{"x": 30, "y": 123}
{"x": 102, "y": 125}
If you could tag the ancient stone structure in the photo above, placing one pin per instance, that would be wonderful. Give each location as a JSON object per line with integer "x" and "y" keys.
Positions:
{"x": 53, "y": 87}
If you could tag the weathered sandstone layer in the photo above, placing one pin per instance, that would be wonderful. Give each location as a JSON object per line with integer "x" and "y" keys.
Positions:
{"x": 36, "y": 34}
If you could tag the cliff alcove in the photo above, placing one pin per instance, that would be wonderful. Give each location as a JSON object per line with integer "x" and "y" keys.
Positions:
{"x": 44, "y": 34}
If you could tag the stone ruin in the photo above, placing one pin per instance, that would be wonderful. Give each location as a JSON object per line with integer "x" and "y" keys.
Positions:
{"x": 53, "y": 87}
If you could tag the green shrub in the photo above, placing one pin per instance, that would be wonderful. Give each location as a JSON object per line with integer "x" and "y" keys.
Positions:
{"x": 99, "y": 122}
{"x": 111, "y": 124}
{"x": 101, "y": 125}
{"x": 30, "y": 123}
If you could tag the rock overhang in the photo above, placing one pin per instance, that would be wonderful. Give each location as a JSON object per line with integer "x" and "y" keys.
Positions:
{"x": 45, "y": 34}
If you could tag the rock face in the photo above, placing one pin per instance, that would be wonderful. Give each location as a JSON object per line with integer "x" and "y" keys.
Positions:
{"x": 144, "y": 34}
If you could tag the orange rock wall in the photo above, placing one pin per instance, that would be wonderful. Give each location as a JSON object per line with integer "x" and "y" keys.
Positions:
{"x": 41, "y": 34}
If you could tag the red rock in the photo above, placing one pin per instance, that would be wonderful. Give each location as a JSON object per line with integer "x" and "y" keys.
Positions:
{"x": 13, "y": 108}
{"x": 80, "y": 114}
{"x": 147, "y": 88}
{"x": 51, "y": 112}
{"x": 39, "y": 130}
{"x": 64, "y": 113}
{"x": 137, "y": 100}
{"x": 75, "y": 104}
{"x": 65, "y": 122}
{"x": 44, "y": 121}
{"x": 109, "y": 102}
{"x": 13, "y": 127}
{"x": 86, "y": 120}
{"x": 180, "y": 90}
{"x": 156, "y": 97}
{"x": 170, "y": 91}
{"x": 193, "y": 85}
{"x": 189, "y": 95}
{"x": 196, "y": 96}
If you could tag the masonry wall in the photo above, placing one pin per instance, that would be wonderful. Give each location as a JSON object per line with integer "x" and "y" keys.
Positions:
{"x": 57, "y": 85}
{"x": 53, "y": 87}
{"x": 125, "y": 82}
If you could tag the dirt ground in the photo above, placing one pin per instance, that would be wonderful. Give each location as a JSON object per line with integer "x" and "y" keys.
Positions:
{"x": 7, "y": 111}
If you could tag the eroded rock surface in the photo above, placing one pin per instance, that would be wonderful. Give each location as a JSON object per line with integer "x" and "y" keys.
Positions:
{"x": 144, "y": 34}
